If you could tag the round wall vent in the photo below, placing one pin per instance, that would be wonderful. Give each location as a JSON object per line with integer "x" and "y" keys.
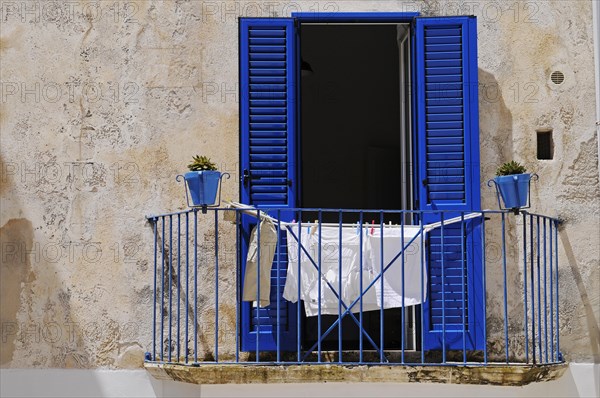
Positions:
{"x": 557, "y": 77}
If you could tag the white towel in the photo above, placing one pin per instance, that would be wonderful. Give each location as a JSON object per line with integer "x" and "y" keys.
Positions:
{"x": 392, "y": 278}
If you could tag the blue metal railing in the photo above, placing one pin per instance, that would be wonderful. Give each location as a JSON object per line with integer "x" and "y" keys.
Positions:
{"x": 199, "y": 270}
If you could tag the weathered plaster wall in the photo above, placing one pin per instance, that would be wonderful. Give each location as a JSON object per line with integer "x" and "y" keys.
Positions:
{"x": 103, "y": 103}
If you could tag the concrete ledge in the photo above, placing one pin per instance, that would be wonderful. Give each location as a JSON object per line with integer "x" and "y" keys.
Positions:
{"x": 504, "y": 375}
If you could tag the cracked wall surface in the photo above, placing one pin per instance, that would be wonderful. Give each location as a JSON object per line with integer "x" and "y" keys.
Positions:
{"x": 103, "y": 103}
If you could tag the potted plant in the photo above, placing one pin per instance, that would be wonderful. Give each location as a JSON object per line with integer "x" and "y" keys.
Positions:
{"x": 512, "y": 182}
{"x": 202, "y": 181}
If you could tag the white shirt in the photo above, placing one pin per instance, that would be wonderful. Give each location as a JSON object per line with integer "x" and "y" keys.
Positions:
{"x": 350, "y": 268}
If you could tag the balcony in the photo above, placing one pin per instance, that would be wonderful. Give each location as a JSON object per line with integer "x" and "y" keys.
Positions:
{"x": 355, "y": 295}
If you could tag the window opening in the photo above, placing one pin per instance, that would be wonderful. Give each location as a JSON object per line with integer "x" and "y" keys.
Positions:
{"x": 545, "y": 144}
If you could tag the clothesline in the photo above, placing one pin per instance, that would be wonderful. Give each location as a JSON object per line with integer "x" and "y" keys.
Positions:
{"x": 254, "y": 212}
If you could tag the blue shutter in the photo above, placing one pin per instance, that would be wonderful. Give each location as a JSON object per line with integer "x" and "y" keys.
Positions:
{"x": 267, "y": 147}
{"x": 447, "y": 139}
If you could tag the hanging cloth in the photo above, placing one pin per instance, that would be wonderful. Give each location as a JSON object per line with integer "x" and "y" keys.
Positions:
{"x": 415, "y": 272}
{"x": 331, "y": 251}
{"x": 267, "y": 244}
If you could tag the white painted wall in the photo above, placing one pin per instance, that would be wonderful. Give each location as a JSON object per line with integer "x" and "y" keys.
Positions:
{"x": 580, "y": 380}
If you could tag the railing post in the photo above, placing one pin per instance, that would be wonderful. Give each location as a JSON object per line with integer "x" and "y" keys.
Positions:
{"x": 505, "y": 285}
{"x": 216, "y": 285}
{"x": 545, "y": 297}
{"x": 551, "y": 244}
{"x": 403, "y": 313}
{"x": 539, "y": 288}
{"x": 443, "y": 251}
{"x": 340, "y": 220}
{"x": 360, "y": 279}
{"x": 532, "y": 276}
{"x": 278, "y": 262}
{"x": 462, "y": 283}
{"x": 525, "y": 329}
{"x": 403, "y": 309}
{"x": 155, "y": 221}
{"x": 187, "y": 282}
{"x": 382, "y": 308}
{"x": 238, "y": 273}
{"x": 558, "y": 354}
{"x": 195, "y": 285}
{"x": 422, "y": 238}
{"x": 170, "y": 281}
{"x": 319, "y": 298}
{"x": 299, "y": 291}
{"x": 258, "y": 254}
{"x": 484, "y": 287}
{"x": 178, "y": 286}
{"x": 162, "y": 293}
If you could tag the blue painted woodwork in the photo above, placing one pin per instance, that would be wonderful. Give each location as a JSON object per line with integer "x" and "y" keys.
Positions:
{"x": 447, "y": 147}
{"x": 267, "y": 141}
{"x": 358, "y": 17}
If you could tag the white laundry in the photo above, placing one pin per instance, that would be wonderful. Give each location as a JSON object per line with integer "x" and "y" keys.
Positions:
{"x": 393, "y": 293}
{"x": 330, "y": 271}
{"x": 290, "y": 290}
{"x": 415, "y": 272}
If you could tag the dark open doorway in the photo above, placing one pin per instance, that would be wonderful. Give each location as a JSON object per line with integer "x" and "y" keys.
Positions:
{"x": 350, "y": 117}
{"x": 355, "y": 147}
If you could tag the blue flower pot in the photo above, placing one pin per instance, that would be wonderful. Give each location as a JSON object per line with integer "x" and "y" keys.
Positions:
{"x": 203, "y": 186}
{"x": 514, "y": 189}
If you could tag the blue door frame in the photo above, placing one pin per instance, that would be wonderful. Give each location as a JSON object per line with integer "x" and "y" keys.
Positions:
{"x": 255, "y": 125}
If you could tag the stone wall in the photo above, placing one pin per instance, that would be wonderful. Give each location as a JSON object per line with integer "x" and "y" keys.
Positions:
{"x": 103, "y": 103}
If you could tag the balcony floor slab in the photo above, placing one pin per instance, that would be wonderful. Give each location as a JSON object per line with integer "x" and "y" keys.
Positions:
{"x": 491, "y": 374}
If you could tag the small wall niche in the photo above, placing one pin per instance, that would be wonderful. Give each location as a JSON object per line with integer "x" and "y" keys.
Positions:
{"x": 545, "y": 144}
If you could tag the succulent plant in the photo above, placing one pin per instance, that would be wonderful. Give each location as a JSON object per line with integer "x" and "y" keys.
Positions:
{"x": 201, "y": 163}
{"x": 510, "y": 168}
